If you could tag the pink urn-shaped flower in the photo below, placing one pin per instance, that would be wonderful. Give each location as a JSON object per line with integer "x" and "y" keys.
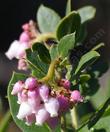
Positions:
{"x": 52, "y": 106}
{"x": 18, "y": 87}
{"x": 31, "y": 83}
{"x": 76, "y": 96}
{"x": 44, "y": 92}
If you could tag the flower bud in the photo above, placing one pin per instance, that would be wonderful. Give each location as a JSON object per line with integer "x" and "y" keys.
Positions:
{"x": 18, "y": 87}
{"x": 22, "y": 65}
{"x": 65, "y": 83}
{"x": 76, "y": 96}
{"x": 31, "y": 83}
{"x": 52, "y": 106}
{"x": 24, "y": 37}
{"x": 25, "y": 27}
{"x": 24, "y": 110}
{"x": 21, "y": 50}
{"x": 41, "y": 116}
{"x": 44, "y": 92}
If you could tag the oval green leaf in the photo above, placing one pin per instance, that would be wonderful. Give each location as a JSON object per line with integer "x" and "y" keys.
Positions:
{"x": 87, "y": 13}
{"x": 65, "y": 44}
{"x": 69, "y": 24}
{"x": 86, "y": 60}
{"x": 47, "y": 19}
{"x": 42, "y": 52}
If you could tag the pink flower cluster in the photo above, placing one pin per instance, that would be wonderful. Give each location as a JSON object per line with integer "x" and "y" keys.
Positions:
{"x": 38, "y": 105}
{"x": 18, "y": 47}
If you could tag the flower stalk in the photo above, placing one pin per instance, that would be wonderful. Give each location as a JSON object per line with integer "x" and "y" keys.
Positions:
{"x": 74, "y": 118}
{"x": 51, "y": 72}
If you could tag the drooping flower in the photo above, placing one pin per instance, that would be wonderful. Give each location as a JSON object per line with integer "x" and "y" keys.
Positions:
{"x": 22, "y": 65}
{"x": 34, "y": 100}
{"x": 13, "y": 49}
{"x": 24, "y": 37}
{"x": 52, "y": 106}
{"x": 18, "y": 87}
{"x": 31, "y": 83}
{"x": 44, "y": 92}
{"x": 65, "y": 83}
{"x": 24, "y": 110}
{"x": 16, "y": 50}
{"x": 41, "y": 116}
{"x": 76, "y": 96}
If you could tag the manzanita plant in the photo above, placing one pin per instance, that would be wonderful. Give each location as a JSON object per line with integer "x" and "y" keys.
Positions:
{"x": 60, "y": 72}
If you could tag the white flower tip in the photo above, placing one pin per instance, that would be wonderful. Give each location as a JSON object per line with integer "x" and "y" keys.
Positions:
{"x": 9, "y": 55}
{"x": 28, "y": 124}
{"x": 19, "y": 117}
{"x": 12, "y": 93}
{"x": 53, "y": 114}
{"x": 18, "y": 102}
{"x": 38, "y": 124}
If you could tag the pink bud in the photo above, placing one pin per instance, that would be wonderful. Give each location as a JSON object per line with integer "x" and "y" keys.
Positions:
{"x": 18, "y": 87}
{"x": 41, "y": 116}
{"x": 24, "y": 37}
{"x": 21, "y": 50}
{"x": 31, "y": 83}
{"x": 44, "y": 92}
{"x": 65, "y": 83}
{"x": 52, "y": 106}
{"x": 25, "y": 27}
{"x": 22, "y": 65}
{"x": 76, "y": 96}
{"x": 24, "y": 110}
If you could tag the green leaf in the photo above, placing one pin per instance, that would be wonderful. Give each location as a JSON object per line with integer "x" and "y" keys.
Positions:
{"x": 54, "y": 52}
{"x": 65, "y": 44}
{"x": 104, "y": 91}
{"x": 14, "y": 107}
{"x": 68, "y": 7}
{"x": 36, "y": 64}
{"x": 107, "y": 112}
{"x": 42, "y": 52}
{"x": 86, "y": 13}
{"x": 101, "y": 126}
{"x": 84, "y": 78}
{"x": 95, "y": 118}
{"x": 69, "y": 24}
{"x": 86, "y": 60}
{"x": 81, "y": 33}
{"x": 96, "y": 122}
{"x": 47, "y": 19}
{"x": 98, "y": 46}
